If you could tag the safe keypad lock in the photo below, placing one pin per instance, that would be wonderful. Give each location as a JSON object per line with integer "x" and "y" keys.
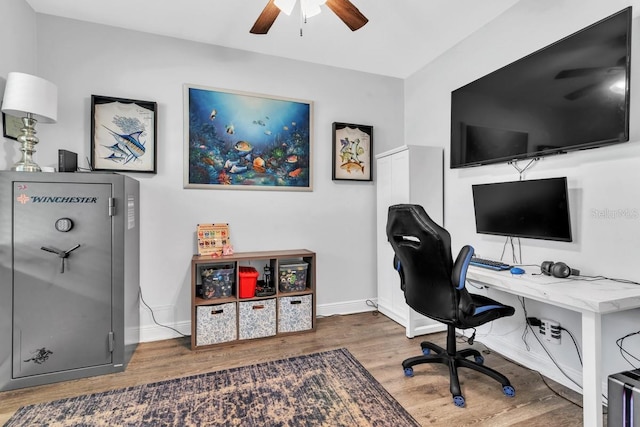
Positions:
{"x": 64, "y": 224}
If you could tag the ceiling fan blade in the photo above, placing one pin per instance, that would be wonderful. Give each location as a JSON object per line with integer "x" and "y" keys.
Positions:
{"x": 580, "y": 72}
{"x": 266, "y": 19}
{"x": 349, "y": 14}
{"x": 583, "y": 91}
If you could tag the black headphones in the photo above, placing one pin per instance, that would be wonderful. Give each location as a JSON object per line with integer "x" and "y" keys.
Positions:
{"x": 557, "y": 269}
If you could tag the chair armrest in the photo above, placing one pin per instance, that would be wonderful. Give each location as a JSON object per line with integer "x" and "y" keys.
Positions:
{"x": 459, "y": 274}
{"x": 398, "y": 267}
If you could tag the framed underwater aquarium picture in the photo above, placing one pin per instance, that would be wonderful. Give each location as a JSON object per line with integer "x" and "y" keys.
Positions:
{"x": 123, "y": 134}
{"x": 240, "y": 140}
{"x": 352, "y": 152}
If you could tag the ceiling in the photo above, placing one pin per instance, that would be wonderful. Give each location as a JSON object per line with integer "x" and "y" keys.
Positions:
{"x": 401, "y": 37}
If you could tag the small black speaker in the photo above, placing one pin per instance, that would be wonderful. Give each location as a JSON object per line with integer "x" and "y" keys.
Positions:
{"x": 67, "y": 161}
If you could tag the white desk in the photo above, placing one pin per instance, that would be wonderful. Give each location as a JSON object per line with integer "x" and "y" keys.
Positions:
{"x": 591, "y": 298}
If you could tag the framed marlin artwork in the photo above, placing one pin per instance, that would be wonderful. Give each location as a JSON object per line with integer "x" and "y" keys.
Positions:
{"x": 352, "y": 149}
{"x": 123, "y": 134}
{"x": 240, "y": 140}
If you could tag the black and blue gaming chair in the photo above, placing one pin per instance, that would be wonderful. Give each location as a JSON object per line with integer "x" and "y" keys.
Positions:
{"x": 434, "y": 286}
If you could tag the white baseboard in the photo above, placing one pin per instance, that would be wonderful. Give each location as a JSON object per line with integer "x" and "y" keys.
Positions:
{"x": 164, "y": 315}
{"x": 155, "y": 332}
{"x": 347, "y": 307}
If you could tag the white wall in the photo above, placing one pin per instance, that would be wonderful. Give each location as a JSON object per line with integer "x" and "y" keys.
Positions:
{"x": 336, "y": 219}
{"x": 605, "y": 178}
{"x": 18, "y": 38}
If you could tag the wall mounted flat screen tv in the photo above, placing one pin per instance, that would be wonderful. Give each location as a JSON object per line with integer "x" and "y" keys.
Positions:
{"x": 535, "y": 209}
{"x": 571, "y": 95}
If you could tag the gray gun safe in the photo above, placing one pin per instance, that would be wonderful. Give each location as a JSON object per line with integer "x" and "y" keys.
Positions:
{"x": 69, "y": 275}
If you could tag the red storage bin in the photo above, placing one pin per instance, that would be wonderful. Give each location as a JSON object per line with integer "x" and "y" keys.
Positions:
{"x": 248, "y": 279}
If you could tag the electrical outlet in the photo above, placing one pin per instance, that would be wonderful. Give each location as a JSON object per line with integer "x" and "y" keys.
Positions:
{"x": 550, "y": 331}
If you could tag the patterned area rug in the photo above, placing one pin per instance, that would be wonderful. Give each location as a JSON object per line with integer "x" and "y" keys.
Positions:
{"x": 324, "y": 389}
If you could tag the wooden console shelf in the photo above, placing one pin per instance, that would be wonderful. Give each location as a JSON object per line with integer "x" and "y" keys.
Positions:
{"x": 230, "y": 317}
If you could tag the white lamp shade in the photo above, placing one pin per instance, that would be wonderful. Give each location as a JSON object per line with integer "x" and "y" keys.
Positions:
{"x": 25, "y": 93}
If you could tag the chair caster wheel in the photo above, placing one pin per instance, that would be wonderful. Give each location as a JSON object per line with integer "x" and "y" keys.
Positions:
{"x": 426, "y": 351}
{"x": 408, "y": 372}
{"x": 508, "y": 391}
{"x": 479, "y": 360}
{"x": 458, "y": 401}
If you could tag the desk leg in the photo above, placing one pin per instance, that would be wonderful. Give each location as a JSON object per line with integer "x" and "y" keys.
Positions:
{"x": 592, "y": 369}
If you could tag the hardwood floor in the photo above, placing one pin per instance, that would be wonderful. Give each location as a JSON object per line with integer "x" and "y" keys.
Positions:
{"x": 378, "y": 343}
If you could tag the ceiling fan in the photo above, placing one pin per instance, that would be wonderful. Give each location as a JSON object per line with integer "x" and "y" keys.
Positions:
{"x": 346, "y": 11}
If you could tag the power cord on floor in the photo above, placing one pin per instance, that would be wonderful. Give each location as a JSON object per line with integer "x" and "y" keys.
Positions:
{"x": 371, "y": 303}
{"x": 154, "y": 317}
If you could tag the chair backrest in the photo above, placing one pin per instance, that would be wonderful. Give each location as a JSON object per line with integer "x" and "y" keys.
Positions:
{"x": 424, "y": 251}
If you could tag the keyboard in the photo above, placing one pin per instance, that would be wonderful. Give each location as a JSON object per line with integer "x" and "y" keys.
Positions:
{"x": 488, "y": 263}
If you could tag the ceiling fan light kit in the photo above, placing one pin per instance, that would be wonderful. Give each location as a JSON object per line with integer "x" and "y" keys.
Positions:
{"x": 311, "y": 7}
{"x": 285, "y": 6}
{"x": 344, "y": 9}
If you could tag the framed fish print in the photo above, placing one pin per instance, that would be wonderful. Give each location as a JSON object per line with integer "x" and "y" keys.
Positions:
{"x": 123, "y": 134}
{"x": 352, "y": 152}
{"x": 246, "y": 141}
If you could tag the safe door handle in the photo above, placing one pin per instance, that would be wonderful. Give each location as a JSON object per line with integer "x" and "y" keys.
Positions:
{"x": 61, "y": 254}
{"x": 66, "y": 254}
{"x": 52, "y": 250}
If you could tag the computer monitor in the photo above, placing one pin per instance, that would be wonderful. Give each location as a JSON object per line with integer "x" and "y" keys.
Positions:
{"x": 535, "y": 209}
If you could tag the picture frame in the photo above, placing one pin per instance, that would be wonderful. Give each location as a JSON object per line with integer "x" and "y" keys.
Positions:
{"x": 123, "y": 134}
{"x": 11, "y": 126}
{"x": 352, "y": 152}
{"x": 246, "y": 141}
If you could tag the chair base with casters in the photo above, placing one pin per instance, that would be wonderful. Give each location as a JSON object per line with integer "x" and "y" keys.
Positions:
{"x": 433, "y": 353}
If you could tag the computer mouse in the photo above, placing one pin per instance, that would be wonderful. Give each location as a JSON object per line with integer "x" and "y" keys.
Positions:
{"x": 516, "y": 270}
